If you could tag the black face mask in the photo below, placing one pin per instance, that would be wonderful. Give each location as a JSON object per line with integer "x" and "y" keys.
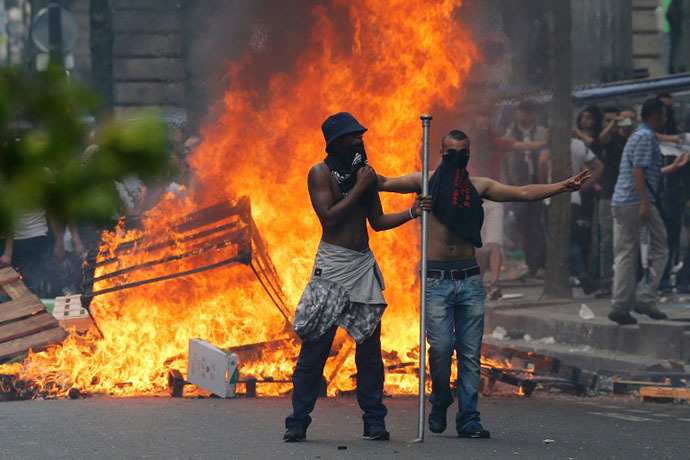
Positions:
{"x": 344, "y": 163}
{"x": 456, "y": 159}
{"x": 351, "y": 156}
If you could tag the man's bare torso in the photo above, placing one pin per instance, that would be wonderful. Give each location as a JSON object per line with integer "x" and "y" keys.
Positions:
{"x": 352, "y": 233}
{"x": 444, "y": 243}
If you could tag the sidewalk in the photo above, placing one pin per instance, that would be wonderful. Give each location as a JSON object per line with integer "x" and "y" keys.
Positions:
{"x": 555, "y": 327}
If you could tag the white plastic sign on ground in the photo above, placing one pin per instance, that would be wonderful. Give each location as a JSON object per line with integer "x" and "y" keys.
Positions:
{"x": 212, "y": 369}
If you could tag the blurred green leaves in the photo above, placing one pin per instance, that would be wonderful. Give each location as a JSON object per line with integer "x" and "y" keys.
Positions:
{"x": 42, "y": 137}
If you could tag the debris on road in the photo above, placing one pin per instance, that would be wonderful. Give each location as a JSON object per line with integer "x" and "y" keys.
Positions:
{"x": 499, "y": 333}
{"x": 580, "y": 349}
{"x": 212, "y": 369}
{"x": 661, "y": 394}
{"x": 586, "y": 312}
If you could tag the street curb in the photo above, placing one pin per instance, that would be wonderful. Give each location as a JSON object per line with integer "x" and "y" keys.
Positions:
{"x": 594, "y": 360}
{"x": 649, "y": 339}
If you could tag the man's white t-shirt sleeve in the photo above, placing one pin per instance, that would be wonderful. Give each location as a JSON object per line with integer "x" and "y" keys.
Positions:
{"x": 580, "y": 155}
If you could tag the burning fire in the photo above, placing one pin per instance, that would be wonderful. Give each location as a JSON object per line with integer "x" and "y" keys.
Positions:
{"x": 400, "y": 58}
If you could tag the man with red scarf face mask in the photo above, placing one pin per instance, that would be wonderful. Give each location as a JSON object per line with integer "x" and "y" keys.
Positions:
{"x": 455, "y": 295}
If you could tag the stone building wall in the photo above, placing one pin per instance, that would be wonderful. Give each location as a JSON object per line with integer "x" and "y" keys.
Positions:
{"x": 147, "y": 54}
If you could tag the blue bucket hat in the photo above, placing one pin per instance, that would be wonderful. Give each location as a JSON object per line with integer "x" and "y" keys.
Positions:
{"x": 340, "y": 124}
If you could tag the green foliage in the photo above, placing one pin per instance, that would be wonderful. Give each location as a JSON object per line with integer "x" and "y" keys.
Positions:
{"x": 42, "y": 137}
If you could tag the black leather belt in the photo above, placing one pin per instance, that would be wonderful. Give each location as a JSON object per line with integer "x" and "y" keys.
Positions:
{"x": 453, "y": 274}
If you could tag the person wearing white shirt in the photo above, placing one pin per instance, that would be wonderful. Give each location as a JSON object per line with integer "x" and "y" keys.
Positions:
{"x": 26, "y": 248}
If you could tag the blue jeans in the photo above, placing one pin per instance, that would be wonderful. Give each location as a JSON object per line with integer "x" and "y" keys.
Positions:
{"x": 455, "y": 322}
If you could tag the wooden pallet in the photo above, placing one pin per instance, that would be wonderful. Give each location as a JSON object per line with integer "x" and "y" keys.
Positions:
{"x": 626, "y": 387}
{"x": 660, "y": 393}
{"x": 24, "y": 321}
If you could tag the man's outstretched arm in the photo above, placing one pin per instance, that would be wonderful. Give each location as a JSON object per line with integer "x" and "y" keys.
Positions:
{"x": 496, "y": 191}
{"x": 409, "y": 183}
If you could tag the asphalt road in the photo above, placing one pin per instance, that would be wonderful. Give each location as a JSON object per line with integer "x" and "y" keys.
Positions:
{"x": 244, "y": 428}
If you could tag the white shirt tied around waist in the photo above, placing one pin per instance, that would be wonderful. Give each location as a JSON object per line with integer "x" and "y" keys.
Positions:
{"x": 31, "y": 224}
{"x": 356, "y": 271}
{"x": 346, "y": 290}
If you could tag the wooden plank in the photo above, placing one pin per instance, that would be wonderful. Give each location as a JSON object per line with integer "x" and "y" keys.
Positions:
{"x": 17, "y": 290}
{"x": 67, "y": 307}
{"x": 8, "y": 275}
{"x": 30, "y": 325}
{"x": 622, "y": 387}
{"x": 80, "y": 324}
{"x": 36, "y": 342}
{"x": 661, "y": 392}
{"x": 4, "y": 297}
{"x": 16, "y": 309}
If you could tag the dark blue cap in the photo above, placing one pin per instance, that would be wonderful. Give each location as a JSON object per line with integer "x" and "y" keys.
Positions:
{"x": 340, "y": 124}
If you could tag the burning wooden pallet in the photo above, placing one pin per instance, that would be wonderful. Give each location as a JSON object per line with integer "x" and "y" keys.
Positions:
{"x": 24, "y": 321}
{"x": 226, "y": 229}
{"x": 527, "y": 369}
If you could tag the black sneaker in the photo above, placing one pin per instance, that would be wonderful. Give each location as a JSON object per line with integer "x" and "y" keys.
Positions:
{"x": 622, "y": 317}
{"x": 376, "y": 433}
{"x": 588, "y": 285}
{"x": 603, "y": 293}
{"x": 650, "y": 310}
{"x": 295, "y": 434}
{"x": 437, "y": 420}
{"x": 474, "y": 430}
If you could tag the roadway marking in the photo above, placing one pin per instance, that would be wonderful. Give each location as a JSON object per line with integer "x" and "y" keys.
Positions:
{"x": 629, "y": 418}
{"x": 638, "y": 411}
{"x": 684, "y": 419}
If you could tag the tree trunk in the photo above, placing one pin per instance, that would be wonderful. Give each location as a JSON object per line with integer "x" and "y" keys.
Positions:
{"x": 557, "y": 281}
{"x": 101, "y": 14}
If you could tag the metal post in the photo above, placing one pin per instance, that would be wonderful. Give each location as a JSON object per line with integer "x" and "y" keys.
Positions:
{"x": 55, "y": 34}
{"x": 426, "y": 124}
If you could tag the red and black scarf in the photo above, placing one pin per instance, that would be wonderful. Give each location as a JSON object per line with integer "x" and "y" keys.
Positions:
{"x": 455, "y": 201}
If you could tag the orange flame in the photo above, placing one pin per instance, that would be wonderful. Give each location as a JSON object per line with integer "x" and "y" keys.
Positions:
{"x": 402, "y": 58}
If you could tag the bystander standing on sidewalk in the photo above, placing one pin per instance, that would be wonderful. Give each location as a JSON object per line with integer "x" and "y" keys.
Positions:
{"x": 521, "y": 169}
{"x": 589, "y": 126}
{"x": 635, "y": 205}
{"x": 26, "y": 249}
{"x": 490, "y": 148}
{"x": 618, "y": 126}
{"x": 674, "y": 187}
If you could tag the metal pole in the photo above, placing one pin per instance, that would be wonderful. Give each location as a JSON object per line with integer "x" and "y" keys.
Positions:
{"x": 55, "y": 34}
{"x": 426, "y": 123}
